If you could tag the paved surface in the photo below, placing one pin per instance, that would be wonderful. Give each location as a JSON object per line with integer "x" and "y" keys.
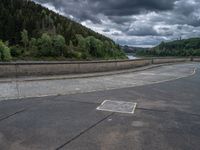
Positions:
{"x": 38, "y": 88}
{"x": 167, "y": 116}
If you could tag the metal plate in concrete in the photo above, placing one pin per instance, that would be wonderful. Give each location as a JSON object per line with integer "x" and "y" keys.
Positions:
{"x": 118, "y": 106}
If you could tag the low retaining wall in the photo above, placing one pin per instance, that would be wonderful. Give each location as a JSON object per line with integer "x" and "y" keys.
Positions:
{"x": 169, "y": 60}
{"x": 196, "y": 59}
{"x": 61, "y": 68}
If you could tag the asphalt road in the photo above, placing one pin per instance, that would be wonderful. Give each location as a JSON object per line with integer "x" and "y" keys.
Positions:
{"x": 167, "y": 116}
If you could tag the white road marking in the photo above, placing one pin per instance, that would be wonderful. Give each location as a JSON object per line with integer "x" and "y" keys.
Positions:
{"x": 118, "y": 106}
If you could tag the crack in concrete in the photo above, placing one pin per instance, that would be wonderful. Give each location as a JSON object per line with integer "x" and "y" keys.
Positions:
{"x": 6, "y": 117}
{"x": 82, "y": 102}
{"x": 156, "y": 110}
{"x": 83, "y": 132}
{"x": 165, "y": 111}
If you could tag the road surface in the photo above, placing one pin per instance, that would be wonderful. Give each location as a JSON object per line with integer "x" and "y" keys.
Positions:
{"x": 167, "y": 116}
{"x": 18, "y": 88}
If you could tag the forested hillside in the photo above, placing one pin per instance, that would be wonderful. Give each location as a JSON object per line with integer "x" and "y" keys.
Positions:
{"x": 185, "y": 47}
{"x": 32, "y": 31}
{"x": 131, "y": 49}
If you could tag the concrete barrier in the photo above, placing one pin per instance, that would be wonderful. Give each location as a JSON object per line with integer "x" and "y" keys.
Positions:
{"x": 15, "y": 69}
{"x": 14, "y": 88}
{"x": 7, "y": 70}
{"x": 169, "y": 60}
{"x": 132, "y": 64}
{"x": 196, "y": 59}
{"x": 62, "y": 68}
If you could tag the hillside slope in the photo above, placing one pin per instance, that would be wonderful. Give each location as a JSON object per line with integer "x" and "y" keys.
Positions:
{"x": 131, "y": 49}
{"x": 16, "y": 15}
{"x": 185, "y": 47}
{"x": 34, "y": 20}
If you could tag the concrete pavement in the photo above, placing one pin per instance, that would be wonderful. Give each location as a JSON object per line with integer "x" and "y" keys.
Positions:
{"x": 167, "y": 116}
{"x": 23, "y": 88}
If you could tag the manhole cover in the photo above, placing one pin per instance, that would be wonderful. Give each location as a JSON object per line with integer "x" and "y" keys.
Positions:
{"x": 117, "y": 106}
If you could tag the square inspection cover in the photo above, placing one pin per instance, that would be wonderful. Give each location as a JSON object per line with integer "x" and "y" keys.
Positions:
{"x": 118, "y": 106}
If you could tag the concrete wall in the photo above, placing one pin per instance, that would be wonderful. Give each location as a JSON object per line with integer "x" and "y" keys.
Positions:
{"x": 61, "y": 68}
{"x": 169, "y": 60}
{"x": 196, "y": 59}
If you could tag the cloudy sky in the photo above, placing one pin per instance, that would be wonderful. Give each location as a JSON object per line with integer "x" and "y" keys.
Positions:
{"x": 134, "y": 22}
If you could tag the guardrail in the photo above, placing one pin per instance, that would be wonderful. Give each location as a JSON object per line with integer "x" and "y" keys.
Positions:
{"x": 16, "y": 69}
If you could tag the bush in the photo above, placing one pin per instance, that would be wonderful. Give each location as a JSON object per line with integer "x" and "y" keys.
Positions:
{"x": 76, "y": 55}
{"x": 5, "y": 52}
{"x": 45, "y": 45}
{"x": 33, "y": 47}
{"x": 15, "y": 51}
{"x": 24, "y": 36}
{"x": 58, "y": 45}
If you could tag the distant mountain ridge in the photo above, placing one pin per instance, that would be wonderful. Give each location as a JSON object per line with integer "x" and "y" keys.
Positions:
{"x": 131, "y": 49}
{"x": 182, "y": 47}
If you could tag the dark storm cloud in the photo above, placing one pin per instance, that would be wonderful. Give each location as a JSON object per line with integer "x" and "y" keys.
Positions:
{"x": 87, "y": 16}
{"x": 134, "y": 21}
{"x": 116, "y": 34}
{"x": 87, "y": 9}
{"x": 186, "y": 12}
{"x": 130, "y": 7}
{"x": 106, "y": 30}
{"x": 121, "y": 20}
{"x": 142, "y": 31}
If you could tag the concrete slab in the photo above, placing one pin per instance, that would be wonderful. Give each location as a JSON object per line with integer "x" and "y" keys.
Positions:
{"x": 48, "y": 125}
{"x": 40, "y": 88}
{"x": 145, "y": 131}
{"x": 167, "y": 118}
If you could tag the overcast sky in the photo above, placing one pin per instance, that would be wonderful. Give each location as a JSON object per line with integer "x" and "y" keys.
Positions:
{"x": 134, "y": 22}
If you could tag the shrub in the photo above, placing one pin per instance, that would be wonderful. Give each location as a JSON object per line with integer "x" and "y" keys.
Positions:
{"x": 76, "y": 55}
{"x": 58, "y": 45}
{"x": 45, "y": 45}
{"x": 15, "y": 51}
{"x": 5, "y": 52}
{"x": 33, "y": 47}
{"x": 24, "y": 36}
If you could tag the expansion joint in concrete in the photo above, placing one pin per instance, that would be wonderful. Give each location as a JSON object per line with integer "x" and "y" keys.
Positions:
{"x": 84, "y": 131}
{"x": 6, "y": 117}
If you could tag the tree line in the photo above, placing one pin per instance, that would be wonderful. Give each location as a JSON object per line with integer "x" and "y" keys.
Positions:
{"x": 55, "y": 46}
{"x": 185, "y": 47}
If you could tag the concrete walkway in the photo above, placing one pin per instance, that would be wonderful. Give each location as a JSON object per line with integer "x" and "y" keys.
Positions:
{"x": 167, "y": 116}
{"x": 61, "y": 85}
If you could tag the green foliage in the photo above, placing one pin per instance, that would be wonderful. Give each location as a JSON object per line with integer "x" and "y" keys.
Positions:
{"x": 16, "y": 51}
{"x": 58, "y": 45}
{"x": 4, "y": 52}
{"x": 33, "y": 47}
{"x": 55, "y": 46}
{"x": 187, "y": 47}
{"x": 95, "y": 48}
{"x": 44, "y": 45}
{"x": 24, "y": 37}
{"x": 36, "y": 32}
{"x": 17, "y": 15}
